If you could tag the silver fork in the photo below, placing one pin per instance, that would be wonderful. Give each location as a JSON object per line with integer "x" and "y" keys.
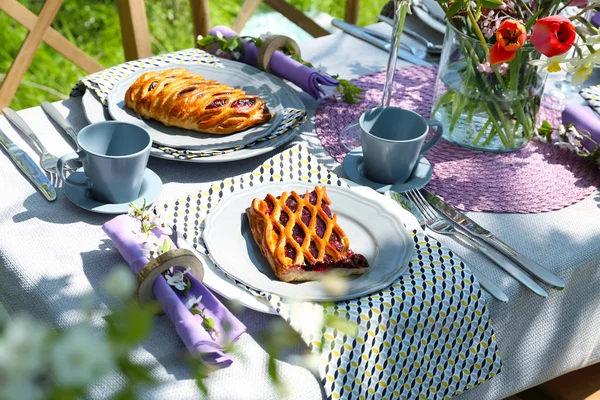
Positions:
{"x": 47, "y": 159}
{"x": 485, "y": 283}
{"x": 439, "y": 224}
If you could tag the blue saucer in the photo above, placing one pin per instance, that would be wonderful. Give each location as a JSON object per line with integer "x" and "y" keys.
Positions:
{"x": 150, "y": 190}
{"x": 354, "y": 168}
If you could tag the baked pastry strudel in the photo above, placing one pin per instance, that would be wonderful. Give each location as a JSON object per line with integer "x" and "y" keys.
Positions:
{"x": 301, "y": 238}
{"x": 178, "y": 97}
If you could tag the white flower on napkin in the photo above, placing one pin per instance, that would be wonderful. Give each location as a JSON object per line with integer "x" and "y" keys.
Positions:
{"x": 151, "y": 249}
{"x": 177, "y": 279}
{"x": 265, "y": 35}
{"x": 146, "y": 236}
{"x": 321, "y": 69}
{"x": 193, "y": 302}
{"x": 79, "y": 358}
{"x": 160, "y": 220}
{"x": 119, "y": 283}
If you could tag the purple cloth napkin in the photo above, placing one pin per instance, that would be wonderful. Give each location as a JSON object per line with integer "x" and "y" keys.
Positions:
{"x": 596, "y": 19}
{"x": 208, "y": 348}
{"x": 283, "y": 66}
{"x": 585, "y": 119}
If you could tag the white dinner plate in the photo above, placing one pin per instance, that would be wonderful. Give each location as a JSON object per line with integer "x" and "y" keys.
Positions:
{"x": 179, "y": 138}
{"x": 375, "y": 232}
{"x": 96, "y": 112}
{"x": 433, "y": 21}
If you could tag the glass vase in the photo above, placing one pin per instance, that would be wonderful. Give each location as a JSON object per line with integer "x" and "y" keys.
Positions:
{"x": 483, "y": 107}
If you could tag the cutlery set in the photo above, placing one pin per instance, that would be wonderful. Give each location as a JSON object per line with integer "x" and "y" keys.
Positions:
{"x": 427, "y": 57}
{"x": 47, "y": 182}
{"x": 452, "y": 222}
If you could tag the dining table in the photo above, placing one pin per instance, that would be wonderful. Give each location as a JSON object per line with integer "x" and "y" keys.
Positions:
{"x": 54, "y": 257}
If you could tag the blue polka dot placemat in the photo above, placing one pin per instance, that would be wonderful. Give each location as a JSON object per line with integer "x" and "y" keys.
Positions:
{"x": 426, "y": 336}
{"x": 101, "y": 83}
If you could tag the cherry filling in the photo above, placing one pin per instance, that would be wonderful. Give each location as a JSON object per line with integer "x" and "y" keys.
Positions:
{"x": 187, "y": 90}
{"x": 216, "y": 104}
{"x": 352, "y": 260}
{"x": 243, "y": 103}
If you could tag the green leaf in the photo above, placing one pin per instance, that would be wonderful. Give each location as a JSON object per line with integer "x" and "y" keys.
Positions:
{"x": 206, "y": 41}
{"x": 130, "y": 324}
{"x": 200, "y": 373}
{"x": 491, "y": 4}
{"x": 341, "y": 324}
{"x": 166, "y": 246}
{"x": 454, "y": 8}
{"x": 136, "y": 372}
{"x": 272, "y": 367}
{"x": 208, "y": 324}
{"x": 546, "y": 130}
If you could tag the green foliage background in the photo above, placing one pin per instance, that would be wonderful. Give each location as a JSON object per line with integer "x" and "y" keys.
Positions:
{"x": 93, "y": 25}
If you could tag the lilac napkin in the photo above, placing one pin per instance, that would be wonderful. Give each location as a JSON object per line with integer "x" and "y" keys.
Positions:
{"x": 585, "y": 119}
{"x": 283, "y": 66}
{"x": 596, "y": 19}
{"x": 207, "y": 347}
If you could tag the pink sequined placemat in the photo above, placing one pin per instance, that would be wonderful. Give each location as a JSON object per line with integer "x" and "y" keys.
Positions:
{"x": 537, "y": 178}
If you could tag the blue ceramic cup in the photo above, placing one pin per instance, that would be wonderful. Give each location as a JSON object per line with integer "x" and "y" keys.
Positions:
{"x": 114, "y": 157}
{"x": 393, "y": 139}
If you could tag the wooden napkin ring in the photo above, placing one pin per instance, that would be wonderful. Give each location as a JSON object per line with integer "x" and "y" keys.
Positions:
{"x": 270, "y": 45}
{"x": 172, "y": 258}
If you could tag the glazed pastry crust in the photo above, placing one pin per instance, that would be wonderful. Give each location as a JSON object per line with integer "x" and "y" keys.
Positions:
{"x": 272, "y": 236}
{"x": 178, "y": 97}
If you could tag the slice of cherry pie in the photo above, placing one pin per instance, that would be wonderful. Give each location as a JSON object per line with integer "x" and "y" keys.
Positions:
{"x": 300, "y": 237}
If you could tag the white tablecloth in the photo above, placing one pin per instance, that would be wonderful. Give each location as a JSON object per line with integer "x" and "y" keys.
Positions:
{"x": 52, "y": 255}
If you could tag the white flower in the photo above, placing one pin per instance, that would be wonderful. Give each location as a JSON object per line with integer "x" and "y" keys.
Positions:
{"x": 151, "y": 249}
{"x": 119, "y": 283}
{"x": 265, "y": 35}
{"x": 309, "y": 316}
{"x": 565, "y": 145}
{"x": 146, "y": 236}
{"x": 321, "y": 68}
{"x": 131, "y": 212}
{"x": 219, "y": 52}
{"x": 236, "y": 55}
{"x": 22, "y": 346}
{"x": 199, "y": 37}
{"x": 160, "y": 220}
{"x": 219, "y": 35}
{"x": 581, "y": 73}
{"x": 193, "y": 302}
{"x": 177, "y": 279}
{"x": 78, "y": 358}
{"x": 552, "y": 64}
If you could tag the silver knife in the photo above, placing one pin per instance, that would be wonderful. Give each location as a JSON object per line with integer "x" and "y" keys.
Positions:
{"x": 484, "y": 282}
{"x": 478, "y": 231}
{"x": 29, "y": 168}
{"x": 60, "y": 120}
{"x": 360, "y": 33}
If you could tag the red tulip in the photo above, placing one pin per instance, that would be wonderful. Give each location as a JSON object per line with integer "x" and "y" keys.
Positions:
{"x": 510, "y": 37}
{"x": 553, "y": 35}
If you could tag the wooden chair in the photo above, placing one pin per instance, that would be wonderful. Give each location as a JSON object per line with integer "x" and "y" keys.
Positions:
{"x": 293, "y": 14}
{"x": 134, "y": 25}
{"x": 39, "y": 30}
{"x": 134, "y": 22}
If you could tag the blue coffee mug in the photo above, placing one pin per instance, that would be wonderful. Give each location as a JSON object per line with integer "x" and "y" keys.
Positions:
{"x": 392, "y": 140}
{"x": 114, "y": 157}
